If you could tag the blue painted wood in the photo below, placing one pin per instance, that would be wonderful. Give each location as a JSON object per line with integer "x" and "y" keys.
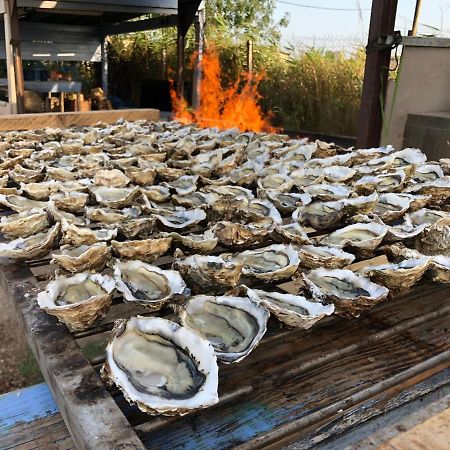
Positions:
{"x": 25, "y": 405}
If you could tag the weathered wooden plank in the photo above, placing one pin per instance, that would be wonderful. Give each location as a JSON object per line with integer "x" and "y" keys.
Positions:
{"x": 90, "y": 413}
{"x": 64, "y": 120}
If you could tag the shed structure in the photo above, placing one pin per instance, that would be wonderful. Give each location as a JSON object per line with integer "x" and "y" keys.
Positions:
{"x": 76, "y": 30}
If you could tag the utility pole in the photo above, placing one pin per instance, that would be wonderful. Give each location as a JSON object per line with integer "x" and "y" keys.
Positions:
{"x": 370, "y": 122}
{"x": 416, "y": 18}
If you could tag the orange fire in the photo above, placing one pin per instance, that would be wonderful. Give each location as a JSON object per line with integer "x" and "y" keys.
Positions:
{"x": 233, "y": 106}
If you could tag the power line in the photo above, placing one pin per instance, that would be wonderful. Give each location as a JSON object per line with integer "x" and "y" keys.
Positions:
{"x": 301, "y": 5}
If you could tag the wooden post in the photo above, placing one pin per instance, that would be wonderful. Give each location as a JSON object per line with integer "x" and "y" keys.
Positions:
{"x": 416, "y": 18}
{"x": 17, "y": 55}
{"x": 199, "y": 23}
{"x": 180, "y": 62}
{"x": 12, "y": 95}
{"x": 249, "y": 57}
{"x": 370, "y": 123}
{"x": 104, "y": 50}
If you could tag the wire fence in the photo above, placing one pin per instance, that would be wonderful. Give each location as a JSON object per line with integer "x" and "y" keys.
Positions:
{"x": 334, "y": 43}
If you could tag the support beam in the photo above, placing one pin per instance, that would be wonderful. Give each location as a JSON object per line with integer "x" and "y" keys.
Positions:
{"x": 199, "y": 23}
{"x": 416, "y": 18}
{"x": 370, "y": 123}
{"x": 140, "y": 25}
{"x": 12, "y": 95}
{"x": 17, "y": 55}
{"x": 104, "y": 48}
{"x": 186, "y": 13}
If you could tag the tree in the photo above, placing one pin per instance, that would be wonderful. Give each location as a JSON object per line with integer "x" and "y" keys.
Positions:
{"x": 237, "y": 20}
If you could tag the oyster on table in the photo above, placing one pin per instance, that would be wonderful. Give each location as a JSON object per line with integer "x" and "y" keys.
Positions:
{"x": 147, "y": 250}
{"x": 25, "y": 223}
{"x": 79, "y": 300}
{"x": 82, "y": 258}
{"x": 160, "y": 366}
{"x": 233, "y": 325}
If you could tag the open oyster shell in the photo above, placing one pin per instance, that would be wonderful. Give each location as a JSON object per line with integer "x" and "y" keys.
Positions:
{"x": 204, "y": 242}
{"x": 115, "y": 197}
{"x": 233, "y": 325}
{"x": 436, "y": 239}
{"x": 398, "y": 276}
{"x": 147, "y": 285}
{"x": 211, "y": 274}
{"x": 291, "y": 233}
{"x": 112, "y": 178}
{"x": 25, "y": 223}
{"x": 40, "y": 191}
{"x": 320, "y": 215}
{"x": 33, "y": 247}
{"x": 360, "y": 204}
{"x": 391, "y": 206}
{"x": 146, "y": 249}
{"x": 180, "y": 219}
{"x": 83, "y": 258}
{"x": 293, "y": 310}
{"x": 79, "y": 300}
{"x": 19, "y": 204}
{"x": 315, "y": 257}
{"x": 327, "y": 192}
{"x": 160, "y": 366}
{"x": 73, "y": 202}
{"x": 23, "y": 175}
{"x": 77, "y": 236}
{"x": 288, "y": 202}
{"x": 232, "y": 234}
{"x": 440, "y": 269}
{"x": 275, "y": 262}
{"x": 349, "y": 292}
{"x": 142, "y": 177}
{"x": 385, "y": 182}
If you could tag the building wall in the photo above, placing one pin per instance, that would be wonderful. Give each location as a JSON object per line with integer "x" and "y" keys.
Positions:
{"x": 423, "y": 85}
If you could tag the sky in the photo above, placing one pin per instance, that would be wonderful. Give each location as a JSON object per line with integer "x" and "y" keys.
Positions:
{"x": 320, "y": 23}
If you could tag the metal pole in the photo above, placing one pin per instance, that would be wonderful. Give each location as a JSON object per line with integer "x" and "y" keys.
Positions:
{"x": 249, "y": 57}
{"x": 370, "y": 122}
{"x": 416, "y": 17}
{"x": 199, "y": 23}
{"x": 104, "y": 50}
{"x": 17, "y": 55}
{"x": 12, "y": 95}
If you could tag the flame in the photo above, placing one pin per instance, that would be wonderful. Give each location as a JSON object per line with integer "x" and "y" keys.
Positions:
{"x": 233, "y": 106}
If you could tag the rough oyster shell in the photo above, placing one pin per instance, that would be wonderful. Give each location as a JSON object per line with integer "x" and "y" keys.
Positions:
{"x": 363, "y": 236}
{"x": 338, "y": 174}
{"x": 408, "y": 156}
{"x": 440, "y": 269}
{"x": 233, "y": 325}
{"x": 391, "y": 206}
{"x": 315, "y": 257}
{"x": 427, "y": 216}
{"x": 79, "y": 300}
{"x": 147, "y": 285}
{"x": 78, "y": 236}
{"x": 360, "y": 204}
{"x": 293, "y": 310}
{"x": 115, "y": 197}
{"x": 427, "y": 173}
{"x": 24, "y": 224}
{"x": 181, "y": 218}
{"x": 83, "y": 258}
{"x": 349, "y": 292}
{"x": 307, "y": 177}
{"x": 211, "y": 274}
{"x": 157, "y": 194}
{"x": 139, "y": 176}
{"x": 112, "y": 178}
{"x": 73, "y": 202}
{"x": 436, "y": 239}
{"x": 276, "y": 262}
{"x": 141, "y": 346}
{"x": 146, "y": 249}
{"x": 320, "y": 215}
{"x": 398, "y": 276}
{"x": 19, "y": 204}
{"x": 439, "y": 190}
{"x": 184, "y": 185}
{"x": 33, "y": 247}
{"x": 288, "y": 202}
{"x": 23, "y": 175}
{"x": 291, "y": 233}
{"x": 59, "y": 174}
{"x": 282, "y": 183}
{"x": 384, "y": 182}
{"x": 195, "y": 199}
{"x": 327, "y": 192}
{"x": 232, "y": 234}
{"x": 204, "y": 242}
{"x": 133, "y": 228}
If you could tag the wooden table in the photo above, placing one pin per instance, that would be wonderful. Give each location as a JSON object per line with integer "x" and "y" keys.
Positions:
{"x": 297, "y": 385}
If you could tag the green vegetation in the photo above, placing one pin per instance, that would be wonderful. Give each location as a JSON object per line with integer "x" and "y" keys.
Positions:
{"x": 315, "y": 91}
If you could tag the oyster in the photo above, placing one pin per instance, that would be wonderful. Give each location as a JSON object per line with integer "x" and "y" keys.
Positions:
{"x": 161, "y": 366}
{"x": 315, "y": 257}
{"x": 391, "y": 206}
{"x": 58, "y": 216}
{"x": 195, "y": 199}
{"x": 327, "y": 192}
{"x": 349, "y": 292}
{"x": 142, "y": 177}
{"x": 40, "y": 191}
{"x": 211, "y": 274}
{"x": 293, "y": 310}
{"x": 25, "y": 223}
{"x": 73, "y": 202}
{"x": 147, "y": 285}
{"x": 132, "y": 228}
{"x": 233, "y": 325}
{"x": 338, "y": 174}
{"x": 182, "y": 218}
{"x": 146, "y": 249}
{"x": 427, "y": 173}
{"x": 288, "y": 202}
{"x": 360, "y": 204}
{"x": 232, "y": 234}
{"x": 59, "y": 174}
{"x": 363, "y": 236}
{"x": 276, "y": 262}
{"x": 398, "y": 276}
{"x": 385, "y": 182}
{"x": 77, "y": 236}
{"x": 282, "y": 183}
{"x": 440, "y": 269}
{"x": 427, "y": 216}
{"x": 184, "y": 185}
{"x": 112, "y": 178}
{"x": 204, "y": 242}
{"x": 157, "y": 194}
{"x": 436, "y": 239}
{"x": 320, "y": 215}
{"x": 79, "y": 300}
{"x": 115, "y": 197}
{"x": 438, "y": 189}
{"x": 83, "y": 258}
{"x": 33, "y": 247}
{"x": 404, "y": 230}
{"x": 408, "y": 156}
{"x": 307, "y": 177}
{"x": 23, "y": 175}
{"x": 19, "y": 204}
{"x": 291, "y": 233}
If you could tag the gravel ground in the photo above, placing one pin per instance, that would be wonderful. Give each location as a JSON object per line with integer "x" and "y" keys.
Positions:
{"x": 18, "y": 368}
